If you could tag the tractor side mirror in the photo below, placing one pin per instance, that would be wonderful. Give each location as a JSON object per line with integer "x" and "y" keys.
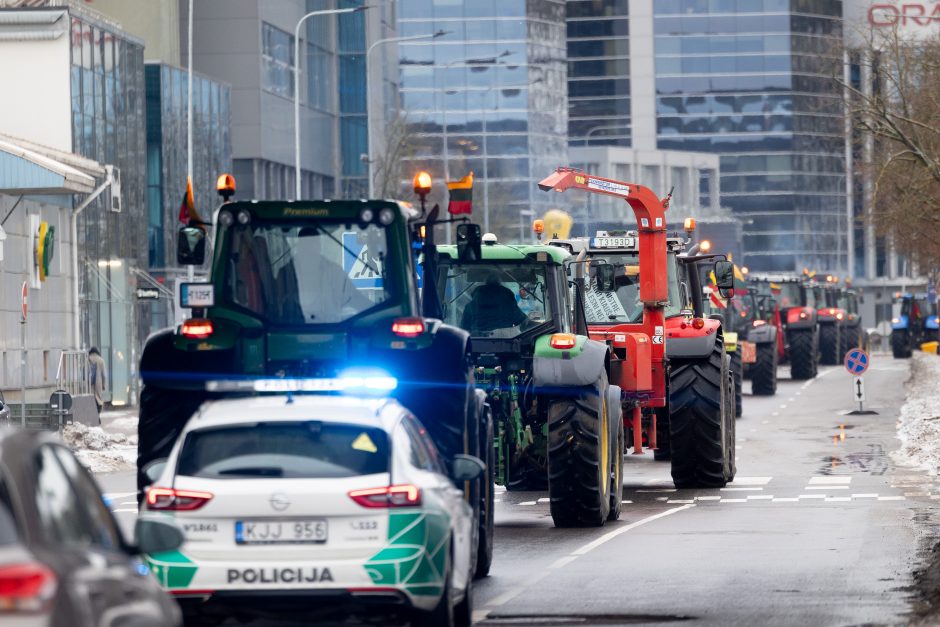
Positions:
{"x": 191, "y": 246}
{"x": 469, "y": 242}
{"x": 604, "y": 278}
{"x": 724, "y": 277}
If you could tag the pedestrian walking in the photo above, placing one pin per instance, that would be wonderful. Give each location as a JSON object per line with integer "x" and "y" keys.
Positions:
{"x": 96, "y": 376}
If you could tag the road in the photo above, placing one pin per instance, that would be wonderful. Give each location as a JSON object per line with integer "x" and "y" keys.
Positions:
{"x": 820, "y": 527}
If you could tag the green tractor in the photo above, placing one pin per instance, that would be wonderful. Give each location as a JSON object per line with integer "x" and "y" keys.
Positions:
{"x": 317, "y": 296}
{"x": 556, "y": 416}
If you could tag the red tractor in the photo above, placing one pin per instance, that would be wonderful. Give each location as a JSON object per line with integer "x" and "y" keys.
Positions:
{"x": 795, "y": 307}
{"x": 670, "y": 364}
{"x": 833, "y": 323}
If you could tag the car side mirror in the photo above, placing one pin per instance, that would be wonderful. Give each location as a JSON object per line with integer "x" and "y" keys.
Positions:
{"x": 467, "y": 467}
{"x": 154, "y": 468}
{"x": 469, "y": 242}
{"x": 604, "y": 278}
{"x": 157, "y": 535}
{"x": 724, "y": 277}
{"x": 191, "y": 246}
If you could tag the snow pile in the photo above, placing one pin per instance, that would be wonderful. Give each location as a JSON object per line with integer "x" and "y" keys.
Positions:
{"x": 919, "y": 423}
{"x": 99, "y": 450}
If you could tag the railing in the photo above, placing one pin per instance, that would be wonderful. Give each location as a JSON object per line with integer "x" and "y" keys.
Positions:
{"x": 72, "y": 373}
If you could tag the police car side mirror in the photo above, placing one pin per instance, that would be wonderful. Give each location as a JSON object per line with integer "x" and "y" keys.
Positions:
{"x": 191, "y": 246}
{"x": 153, "y": 469}
{"x": 604, "y": 278}
{"x": 157, "y": 535}
{"x": 467, "y": 467}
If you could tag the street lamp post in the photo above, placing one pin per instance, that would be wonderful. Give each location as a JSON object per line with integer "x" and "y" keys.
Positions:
{"x": 299, "y": 54}
{"x": 369, "y": 117}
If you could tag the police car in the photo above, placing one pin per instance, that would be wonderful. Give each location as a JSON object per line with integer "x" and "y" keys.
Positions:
{"x": 288, "y": 498}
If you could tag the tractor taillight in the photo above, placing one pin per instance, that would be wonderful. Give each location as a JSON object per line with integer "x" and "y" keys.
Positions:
{"x": 173, "y": 500}
{"x": 758, "y": 323}
{"x": 562, "y": 341}
{"x": 698, "y": 323}
{"x": 406, "y": 495}
{"x": 840, "y": 316}
{"x": 804, "y": 315}
{"x": 197, "y": 329}
{"x": 408, "y": 327}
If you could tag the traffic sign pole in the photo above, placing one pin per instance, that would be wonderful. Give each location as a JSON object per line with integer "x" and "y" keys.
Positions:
{"x": 856, "y": 363}
{"x": 24, "y": 303}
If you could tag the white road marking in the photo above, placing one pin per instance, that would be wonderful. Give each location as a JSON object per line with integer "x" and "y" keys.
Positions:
{"x": 790, "y": 400}
{"x": 590, "y": 546}
{"x": 812, "y": 496}
{"x": 680, "y": 501}
{"x": 708, "y": 498}
{"x": 865, "y": 496}
{"x": 739, "y": 489}
{"x": 783, "y": 405}
{"x": 826, "y": 487}
{"x": 786, "y": 500}
{"x": 830, "y": 480}
{"x": 734, "y": 500}
{"x": 760, "y": 497}
{"x": 544, "y": 499}
{"x": 124, "y": 511}
{"x": 916, "y": 494}
{"x": 113, "y": 496}
{"x": 134, "y": 503}
{"x": 659, "y": 490}
{"x": 527, "y": 503}
{"x": 627, "y": 502}
{"x": 838, "y": 499}
{"x": 891, "y": 498}
{"x": 775, "y": 414}
{"x": 739, "y": 481}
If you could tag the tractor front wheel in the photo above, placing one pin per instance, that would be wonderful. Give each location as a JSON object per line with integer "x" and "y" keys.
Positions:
{"x": 901, "y": 344}
{"x": 701, "y": 412}
{"x": 829, "y": 344}
{"x": 802, "y": 355}
{"x": 578, "y": 457}
{"x": 737, "y": 369}
{"x": 764, "y": 371}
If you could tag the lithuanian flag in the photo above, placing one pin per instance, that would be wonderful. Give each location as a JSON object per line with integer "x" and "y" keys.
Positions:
{"x": 460, "y": 195}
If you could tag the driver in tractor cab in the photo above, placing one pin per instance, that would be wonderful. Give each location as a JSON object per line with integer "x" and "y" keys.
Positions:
{"x": 492, "y": 306}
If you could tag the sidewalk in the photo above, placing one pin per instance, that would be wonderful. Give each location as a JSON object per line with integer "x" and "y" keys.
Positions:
{"x": 919, "y": 423}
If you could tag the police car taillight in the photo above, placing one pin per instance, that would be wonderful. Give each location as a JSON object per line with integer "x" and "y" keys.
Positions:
{"x": 404, "y": 495}
{"x": 173, "y": 500}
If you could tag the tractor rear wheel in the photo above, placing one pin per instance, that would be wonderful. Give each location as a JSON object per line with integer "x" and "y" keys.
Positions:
{"x": 616, "y": 475}
{"x": 764, "y": 370}
{"x": 487, "y": 499}
{"x": 163, "y": 414}
{"x": 663, "y": 451}
{"x": 901, "y": 344}
{"x": 829, "y": 344}
{"x": 852, "y": 339}
{"x": 578, "y": 457}
{"x": 737, "y": 369}
{"x": 701, "y": 406}
{"x": 802, "y": 355}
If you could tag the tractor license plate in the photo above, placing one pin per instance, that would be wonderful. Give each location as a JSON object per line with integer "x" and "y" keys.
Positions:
{"x": 613, "y": 242}
{"x": 299, "y": 531}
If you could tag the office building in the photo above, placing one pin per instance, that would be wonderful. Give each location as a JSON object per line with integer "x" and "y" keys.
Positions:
{"x": 487, "y": 96}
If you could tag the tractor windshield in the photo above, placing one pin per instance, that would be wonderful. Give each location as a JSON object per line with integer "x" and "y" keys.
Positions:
{"x": 495, "y": 300}
{"x": 305, "y": 272}
{"x": 623, "y": 305}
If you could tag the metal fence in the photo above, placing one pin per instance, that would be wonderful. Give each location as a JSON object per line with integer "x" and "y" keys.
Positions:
{"x": 72, "y": 373}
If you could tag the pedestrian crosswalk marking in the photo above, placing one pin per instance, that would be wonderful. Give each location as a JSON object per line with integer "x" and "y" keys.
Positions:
{"x": 748, "y": 481}
{"x": 830, "y": 480}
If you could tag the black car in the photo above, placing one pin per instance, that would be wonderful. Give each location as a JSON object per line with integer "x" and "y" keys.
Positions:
{"x": 63, "y": 561}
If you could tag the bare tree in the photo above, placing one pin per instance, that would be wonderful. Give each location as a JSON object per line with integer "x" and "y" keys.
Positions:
{"x": 397, "y": 144}
{"x": 897, "y": 107}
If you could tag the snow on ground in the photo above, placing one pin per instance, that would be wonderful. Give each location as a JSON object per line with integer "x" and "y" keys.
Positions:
{"x": 100, "y": 450}
{"x": 919, "y": 424}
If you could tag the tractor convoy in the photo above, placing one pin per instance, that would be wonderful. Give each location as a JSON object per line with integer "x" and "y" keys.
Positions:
{"x": 545, "y": 361}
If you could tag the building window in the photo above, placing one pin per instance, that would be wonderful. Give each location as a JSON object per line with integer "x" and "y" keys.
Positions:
{"x": 277, "y": 55}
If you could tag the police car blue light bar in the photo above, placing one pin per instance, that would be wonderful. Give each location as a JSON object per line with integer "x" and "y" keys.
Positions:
{"x": 351, "y": 382}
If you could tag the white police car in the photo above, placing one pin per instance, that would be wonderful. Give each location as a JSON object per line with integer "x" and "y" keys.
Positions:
{"x": 311, "y": 502}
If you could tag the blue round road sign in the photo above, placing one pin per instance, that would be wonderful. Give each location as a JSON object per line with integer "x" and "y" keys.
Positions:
{"x": 856, "y": 362}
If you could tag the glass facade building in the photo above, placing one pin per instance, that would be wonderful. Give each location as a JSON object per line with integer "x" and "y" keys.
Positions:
{"x": 598, "y": 72}
{"x": 488, "y": 96}
{"x": 752, "y": 81}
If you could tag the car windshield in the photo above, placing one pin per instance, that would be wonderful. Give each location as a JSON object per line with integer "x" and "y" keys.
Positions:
{"x": 623, "y": 305}
{"x": 295, "y": 450}
{"x": 495, "y": 300}
{"x": 308, "y": 272}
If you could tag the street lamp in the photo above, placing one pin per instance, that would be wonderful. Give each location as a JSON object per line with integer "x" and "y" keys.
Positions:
{"x": 299, "y": 54}
{"x": 369, "y": 116}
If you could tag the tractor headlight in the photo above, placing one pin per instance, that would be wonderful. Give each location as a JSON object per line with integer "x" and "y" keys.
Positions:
{"x": 386, "y": 216}
{"x": 226, "y": 218}
{"x": 244, "y": 217}
{"x": 366, "y": 215}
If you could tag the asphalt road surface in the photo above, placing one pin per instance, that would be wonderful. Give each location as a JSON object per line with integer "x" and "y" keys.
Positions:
{"x": 821, "y": 527}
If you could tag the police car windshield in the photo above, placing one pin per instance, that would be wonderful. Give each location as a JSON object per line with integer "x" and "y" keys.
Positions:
{"x": 623, "y": 305}
{"x": 303, "y": 272}
{"x": 494, "y": 300}
{"x": 298, "y": 450}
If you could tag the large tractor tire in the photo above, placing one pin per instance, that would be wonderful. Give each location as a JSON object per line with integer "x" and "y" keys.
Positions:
{"x": 616, "y": 453}
{"x": 853, "y": 339}
{"x": 163, "y": 413}
{"x": 578, "y": 457}
{"x": 764, "y": 370}
{"x": 663, "y": 451}
{"x": 487, "y": 499}
{"x": 802, "y": 355}
{"x": 829, "y": 344}
{"x": 737, "y": 369}
{"x": 701, "y": 405}
{"x": 901, "y": 344}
